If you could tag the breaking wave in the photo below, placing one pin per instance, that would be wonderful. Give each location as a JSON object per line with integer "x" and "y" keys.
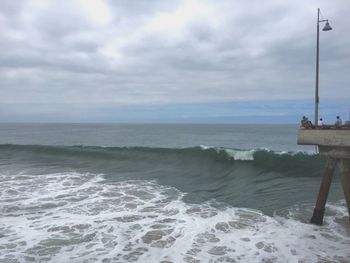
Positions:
{"x": 206, "y": 152}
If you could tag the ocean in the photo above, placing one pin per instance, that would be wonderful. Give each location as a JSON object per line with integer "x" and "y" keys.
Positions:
{"x": 164, "y": 193}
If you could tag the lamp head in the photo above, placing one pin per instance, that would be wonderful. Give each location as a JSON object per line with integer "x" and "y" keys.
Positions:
{"x": 327, "y": 27}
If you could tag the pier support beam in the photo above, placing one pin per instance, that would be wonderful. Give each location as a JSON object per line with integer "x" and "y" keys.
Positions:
{"x": 317, "y": 217}
{"x": 345, "y": 181}
{"x": 334, "y": 144}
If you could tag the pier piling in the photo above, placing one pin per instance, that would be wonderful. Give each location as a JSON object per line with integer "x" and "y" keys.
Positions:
{"x": 317, "y": 217}
{"x": 334, "y": 144}
{"x": 345, "y": 180}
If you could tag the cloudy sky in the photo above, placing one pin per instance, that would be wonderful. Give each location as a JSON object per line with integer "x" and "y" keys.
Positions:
{"x": 171, "y": 61}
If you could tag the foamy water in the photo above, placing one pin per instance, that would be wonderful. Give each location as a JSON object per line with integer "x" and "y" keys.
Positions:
{"x": 248, "y": 155}
{"x": 73, "y": 217}
{"x": 243, "y": 155}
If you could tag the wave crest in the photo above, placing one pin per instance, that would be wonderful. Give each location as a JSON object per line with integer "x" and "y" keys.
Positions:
{"x": 242, "y": 155}
{"x": 215, "y": 153}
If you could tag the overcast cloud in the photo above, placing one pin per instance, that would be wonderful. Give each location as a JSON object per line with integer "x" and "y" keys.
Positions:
{"x": 95, "y": 56}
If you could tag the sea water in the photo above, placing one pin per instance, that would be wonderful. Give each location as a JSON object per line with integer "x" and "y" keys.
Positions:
{"x": 164, "y": 193}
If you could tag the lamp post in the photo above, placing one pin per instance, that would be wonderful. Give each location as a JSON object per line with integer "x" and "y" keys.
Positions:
{"x": 327, "y": 27}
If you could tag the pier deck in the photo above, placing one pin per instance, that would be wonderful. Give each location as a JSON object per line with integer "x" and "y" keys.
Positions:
{"x": 324, "y": 137}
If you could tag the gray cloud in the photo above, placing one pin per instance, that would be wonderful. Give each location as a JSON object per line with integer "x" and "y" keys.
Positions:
{"x": 154, "y": 52}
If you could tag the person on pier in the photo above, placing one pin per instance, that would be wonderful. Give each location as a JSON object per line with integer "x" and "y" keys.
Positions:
{"x": 306, "y": 123}
{"x": 338, "y": 123}
{"x": 320, "y": 122}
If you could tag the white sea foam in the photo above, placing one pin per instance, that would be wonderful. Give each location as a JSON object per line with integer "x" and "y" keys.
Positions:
{"x": 74, "y": 217}
{"x": 243, "y": 155}
{"x": 247, "y": 155}
{"x": 205, "y": 147}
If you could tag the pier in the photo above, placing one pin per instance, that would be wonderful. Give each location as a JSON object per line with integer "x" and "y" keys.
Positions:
{"x": 335, "y": 145}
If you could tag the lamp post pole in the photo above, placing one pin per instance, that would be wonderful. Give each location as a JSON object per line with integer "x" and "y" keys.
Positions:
{"x": 327, "y": 27}
{"x": 317, "y": 66}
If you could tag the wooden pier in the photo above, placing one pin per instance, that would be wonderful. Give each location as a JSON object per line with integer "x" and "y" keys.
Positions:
{"x": 335, "y": 145}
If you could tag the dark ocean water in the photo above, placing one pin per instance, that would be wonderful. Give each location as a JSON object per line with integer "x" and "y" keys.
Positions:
{"x": 171, "y": 193}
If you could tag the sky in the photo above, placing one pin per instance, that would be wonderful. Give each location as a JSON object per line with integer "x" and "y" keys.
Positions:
{"x": 215, "y": 61}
